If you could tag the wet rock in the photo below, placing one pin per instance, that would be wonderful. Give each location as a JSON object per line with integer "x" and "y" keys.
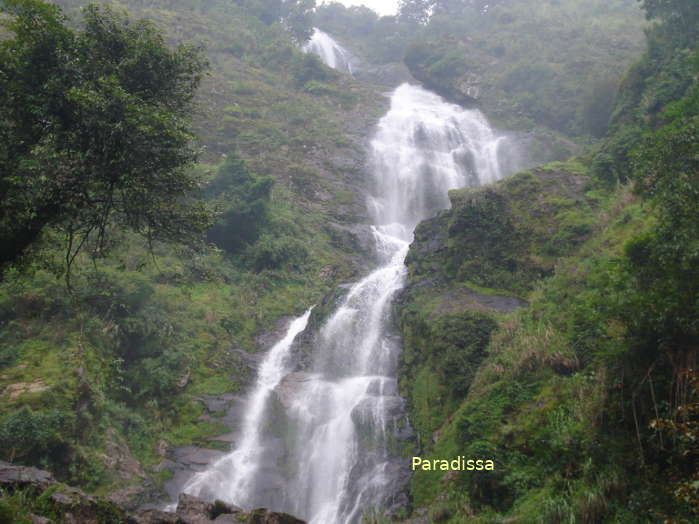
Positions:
{"x": 12, "y": 476}
{"x": 287, "y": 390}
{"x": 385, "y": 75}
{"x": 193, "y": 510}
{"x": 372, "y": 412}
{"x": 383, "y": 386}
{"x": 227, "y": 519}
{"x": 217, "y": 403}
{"x": 302, "y": 348}
{"x": 269, "y": 338}
{"x": 154, "y": 516}
{"x": 186, "y": 461}
{"x": 357, "y": 237}
{"x": 193, "y": 456}
{"x": 265, "y": 516}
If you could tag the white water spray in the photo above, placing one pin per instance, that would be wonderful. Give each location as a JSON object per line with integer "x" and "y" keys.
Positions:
{"x": 233, "y": 476}
{"x": 330, "y": 52}
{"x": 317, "y": 443}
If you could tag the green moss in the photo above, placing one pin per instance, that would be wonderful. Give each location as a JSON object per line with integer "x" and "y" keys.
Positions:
{"x": 215, "y": 385}
{"x": 344, "y": 197}
{"x": 189, "y": 430}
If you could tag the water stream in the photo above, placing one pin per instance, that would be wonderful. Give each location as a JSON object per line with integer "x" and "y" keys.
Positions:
{"x": 330, "y": 52}
{"x": 316, "y": 442}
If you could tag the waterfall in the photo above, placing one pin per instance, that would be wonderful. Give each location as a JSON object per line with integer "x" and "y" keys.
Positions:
{"x": 317, "y": 441}
{"x": 233, "y": 476}
{"x": 330, "y": 52}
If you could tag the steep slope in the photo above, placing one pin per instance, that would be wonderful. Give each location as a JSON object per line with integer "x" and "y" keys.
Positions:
{"x": 107, "y": 385}
{"x": 547, "y": 65}
{"x": 496, "y": 364}
{"x": 550, "y": 322}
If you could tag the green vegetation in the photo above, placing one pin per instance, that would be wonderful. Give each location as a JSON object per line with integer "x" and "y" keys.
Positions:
{"x": 552, "y": 64}
{"x": 509, "y": 235}
{"x": 152, "y": 321}
{"x": 72, "y": 103}
{"x": 550, "y": 320}
{"x": 19, "y": 506}
{"x": 585, "y": 397}
{"x": 246, "y": 199}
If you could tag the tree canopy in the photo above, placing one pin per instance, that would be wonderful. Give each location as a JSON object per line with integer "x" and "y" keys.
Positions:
{"x": 94, "y": 129}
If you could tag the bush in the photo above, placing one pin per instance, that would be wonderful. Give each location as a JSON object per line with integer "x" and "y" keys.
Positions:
{"x": 307, "y": 67}
{"x": 271, "y": 252}
{"x": 245, "y": 196}
{"x": 36, "y": 437}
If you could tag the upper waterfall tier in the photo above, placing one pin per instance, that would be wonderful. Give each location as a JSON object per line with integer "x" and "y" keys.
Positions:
{"x": 330, "y": 52}
{"x": 424, "y": 147}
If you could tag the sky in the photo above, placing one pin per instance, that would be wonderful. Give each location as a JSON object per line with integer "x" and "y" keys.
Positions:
{"x": 383, "y": 7}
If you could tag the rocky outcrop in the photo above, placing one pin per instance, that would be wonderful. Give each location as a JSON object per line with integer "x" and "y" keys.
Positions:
{"x": 385, "y": 75}
{"x": 470, "y": 265}
{"x": 73, "y": 506}
{"x": 13, "y": 477}
{"x": 464, "y": 89}
{"x": 288, "y": 389}
{"x": 302, "y": 348}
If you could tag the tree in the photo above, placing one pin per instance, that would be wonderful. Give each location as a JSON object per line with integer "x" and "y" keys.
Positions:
{"x": 298, "y": 18}
{"x": 415, "y": 11}
{"x": 680, "y": 15}
{"x": 246, "y": 197}
{"x": 268, "y": 11}
{"x": 94, "y": 130}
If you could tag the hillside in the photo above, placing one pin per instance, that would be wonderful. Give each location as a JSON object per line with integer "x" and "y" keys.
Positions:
{"x": 550, "y": 65}
{"x": 548, "y": 322}
{"x": 99, "y": 382}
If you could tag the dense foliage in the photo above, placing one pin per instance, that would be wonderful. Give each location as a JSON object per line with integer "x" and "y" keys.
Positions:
{"x": 587, "y": 395}
{"x": 116, "y": 366}
{"x": 550, "y": 63}
{"x": 94, "y": 130}
{"x": 245, "y": 198}
{"x": 549, "y": 321}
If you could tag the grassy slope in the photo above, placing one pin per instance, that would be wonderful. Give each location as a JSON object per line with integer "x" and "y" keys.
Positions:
{"x": 120, "y": 363}
{"x": 529, "y": 391}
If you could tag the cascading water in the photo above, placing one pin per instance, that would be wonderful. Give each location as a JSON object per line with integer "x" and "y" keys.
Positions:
{"x": 330, "y": 52}
{"x": 232, "y": 477}
{"x": 316, "y": 442}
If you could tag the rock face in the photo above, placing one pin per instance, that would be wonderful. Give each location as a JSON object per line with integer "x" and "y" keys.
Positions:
{"x": 302, "y": 348}
{"x": 73, "y": 506}
{"x": 384, "y": 75}
{"x": 464, "y": 90}
{"x": 128, "y": 470}
{"x": 289, "y": 387}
